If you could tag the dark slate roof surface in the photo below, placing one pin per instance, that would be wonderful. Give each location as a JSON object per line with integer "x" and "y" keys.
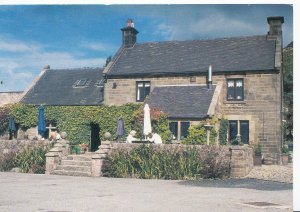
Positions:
{"x": 186, "y": 102}
{"x": 57, "y": 87}
{"x": 225, "y": 54}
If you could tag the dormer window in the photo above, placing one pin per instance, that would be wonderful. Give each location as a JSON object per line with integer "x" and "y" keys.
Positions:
{"x": 235, "y": 90}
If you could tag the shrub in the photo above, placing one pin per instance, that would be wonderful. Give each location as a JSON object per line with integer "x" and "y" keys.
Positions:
{"x": 32, "y": 160}
{"x": 7, "y": 161}
{"x": 159, "y": 121}
{"x": 168, "y": 162}
{"x": 223, "y": 131}
{"x": 197, "y": 133}
{"x": 4, "y": 119}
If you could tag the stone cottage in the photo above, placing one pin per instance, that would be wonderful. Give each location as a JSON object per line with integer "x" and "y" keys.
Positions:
{"x": 238, "y": 77}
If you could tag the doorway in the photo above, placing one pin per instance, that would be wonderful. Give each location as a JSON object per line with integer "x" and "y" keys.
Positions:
{"x": 95, "y": 138}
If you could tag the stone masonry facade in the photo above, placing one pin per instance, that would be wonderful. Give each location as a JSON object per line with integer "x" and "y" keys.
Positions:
{"x": 261, "y": 105}
{"x": 9, "y": 97}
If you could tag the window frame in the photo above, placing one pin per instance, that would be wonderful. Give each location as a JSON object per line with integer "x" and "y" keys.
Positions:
{"x": 238, "y": 129}
{"x": 137, "y": 91}
{"x": 235, "y": 89}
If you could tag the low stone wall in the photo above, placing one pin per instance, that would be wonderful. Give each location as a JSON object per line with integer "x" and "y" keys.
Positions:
{"x": 7, "y": 146}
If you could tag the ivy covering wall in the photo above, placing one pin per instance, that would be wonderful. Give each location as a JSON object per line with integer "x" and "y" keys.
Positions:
{"x": 76, "y": 120}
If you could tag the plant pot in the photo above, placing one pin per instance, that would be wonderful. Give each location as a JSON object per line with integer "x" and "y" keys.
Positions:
{"x": 257, "y": 160}
{"x": 285, "y": 159}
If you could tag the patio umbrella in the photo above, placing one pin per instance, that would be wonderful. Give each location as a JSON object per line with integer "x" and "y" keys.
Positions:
{"x": 147, "y": 121}
{"x": 120, "y": 128}
{"x": 12, "y": 125}
{"x": 41, "y": 121}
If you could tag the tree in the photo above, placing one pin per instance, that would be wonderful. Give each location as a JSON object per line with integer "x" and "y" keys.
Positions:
{"x": 288, "y": 93}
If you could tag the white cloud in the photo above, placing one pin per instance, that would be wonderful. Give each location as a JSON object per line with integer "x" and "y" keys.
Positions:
{"x": 23, "y": 63}
{"x": 97, "y": 46}
{"x": 7, "y": 45}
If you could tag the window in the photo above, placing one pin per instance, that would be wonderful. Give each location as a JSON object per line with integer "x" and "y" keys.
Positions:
{"x": 174, "y": 130}
{"x": 235, "y": 90}
{"x": 183, "y": 133}
{"x": 244, "y": 131}
{"x": 184, "y": 129}
{"x": 81, "y": 83}
{"x": 142, "y": 90}
{"x": 240, "y": 128}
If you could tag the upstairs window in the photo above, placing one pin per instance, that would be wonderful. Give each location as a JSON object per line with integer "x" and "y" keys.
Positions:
{"x": 142, "y": 90}
{"x": 235, "y": 90}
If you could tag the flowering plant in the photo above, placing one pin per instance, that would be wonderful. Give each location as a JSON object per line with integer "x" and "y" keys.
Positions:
{"x": 84, "y": 147}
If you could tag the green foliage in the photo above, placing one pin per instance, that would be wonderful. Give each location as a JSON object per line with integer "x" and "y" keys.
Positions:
{"x": 161, "y": 127}
{"x": 147, "y": 162}
{"x": 7, "y": 161}
{"x": 288, "y": 94}
{"x": 159, "y": 121}
{"x": 197, "y": 133}
{"x": 257, "y": 149}
{"x": 285, "y": 149}
{"x": 223, "y": 131}
{"x": 76, "y": 120}
{"x": 4, "y": 119}
{"x": 32, "y": 160}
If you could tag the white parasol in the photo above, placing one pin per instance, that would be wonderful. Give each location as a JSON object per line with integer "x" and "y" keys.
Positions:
{"x": 147, "y": 121}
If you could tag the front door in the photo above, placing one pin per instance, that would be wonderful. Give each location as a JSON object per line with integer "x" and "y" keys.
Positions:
{"x": 95, "y": 138}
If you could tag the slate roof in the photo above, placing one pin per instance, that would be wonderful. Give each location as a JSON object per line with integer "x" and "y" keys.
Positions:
{"x": 186, "y": 102}
{"x": 57, "y": 87}
{"x": 249, "y": 53}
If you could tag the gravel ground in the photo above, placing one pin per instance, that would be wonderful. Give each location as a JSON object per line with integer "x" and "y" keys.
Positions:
{"x": 275, "y": 173}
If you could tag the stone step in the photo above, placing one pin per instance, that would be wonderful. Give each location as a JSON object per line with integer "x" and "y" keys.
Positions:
{"x": 76, "y": 162}
{"x": 72, "y": 173}
{"x": 74, "y": 168}
{"x": 80, "y": 157}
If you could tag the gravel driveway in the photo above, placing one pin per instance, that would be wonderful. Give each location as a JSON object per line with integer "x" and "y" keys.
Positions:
{"x": 51, "y": 193}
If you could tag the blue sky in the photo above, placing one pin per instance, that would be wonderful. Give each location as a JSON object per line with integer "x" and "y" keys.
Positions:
{"x": 75, "y": 36}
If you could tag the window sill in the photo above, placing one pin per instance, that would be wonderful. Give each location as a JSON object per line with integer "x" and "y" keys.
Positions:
{"x": 235, "y": 102}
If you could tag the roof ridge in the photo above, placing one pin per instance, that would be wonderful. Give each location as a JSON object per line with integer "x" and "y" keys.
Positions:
{"x": 82, "y": 68}
{"x": 212, "y": 39}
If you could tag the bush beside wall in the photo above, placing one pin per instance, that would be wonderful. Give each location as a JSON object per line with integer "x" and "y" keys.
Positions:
{"x": 168, "y": 161}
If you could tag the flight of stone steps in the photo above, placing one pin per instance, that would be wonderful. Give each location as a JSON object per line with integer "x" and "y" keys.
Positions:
{"x": 81, "y": 165}
{"x": 75, "y": 165}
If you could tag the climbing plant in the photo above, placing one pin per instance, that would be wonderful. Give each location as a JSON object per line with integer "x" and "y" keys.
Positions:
{"x": 76, "y": 120}
{"x": 223, "y": 131}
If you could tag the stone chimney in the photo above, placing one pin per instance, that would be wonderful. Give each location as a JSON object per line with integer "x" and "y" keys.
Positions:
{"x": 275, "y": 25}
{"x": 275, "y": 33}
{"x": 129, "y": 34}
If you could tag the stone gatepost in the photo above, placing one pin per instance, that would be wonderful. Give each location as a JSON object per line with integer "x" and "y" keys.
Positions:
{"x": 98, "y": 159}
{"x": 52, "y": 160}
{"x": 241, "y": 161}
{"x": 53, "y": 157}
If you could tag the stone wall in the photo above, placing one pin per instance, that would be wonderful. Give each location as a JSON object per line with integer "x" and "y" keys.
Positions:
{"x": 261, "y": 105}
{"x": 9, "y": 97}
{"x": 7, "y": 146}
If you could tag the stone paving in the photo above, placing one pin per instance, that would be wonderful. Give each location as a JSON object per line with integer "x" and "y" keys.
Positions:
{"x": 275, "y": 173}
